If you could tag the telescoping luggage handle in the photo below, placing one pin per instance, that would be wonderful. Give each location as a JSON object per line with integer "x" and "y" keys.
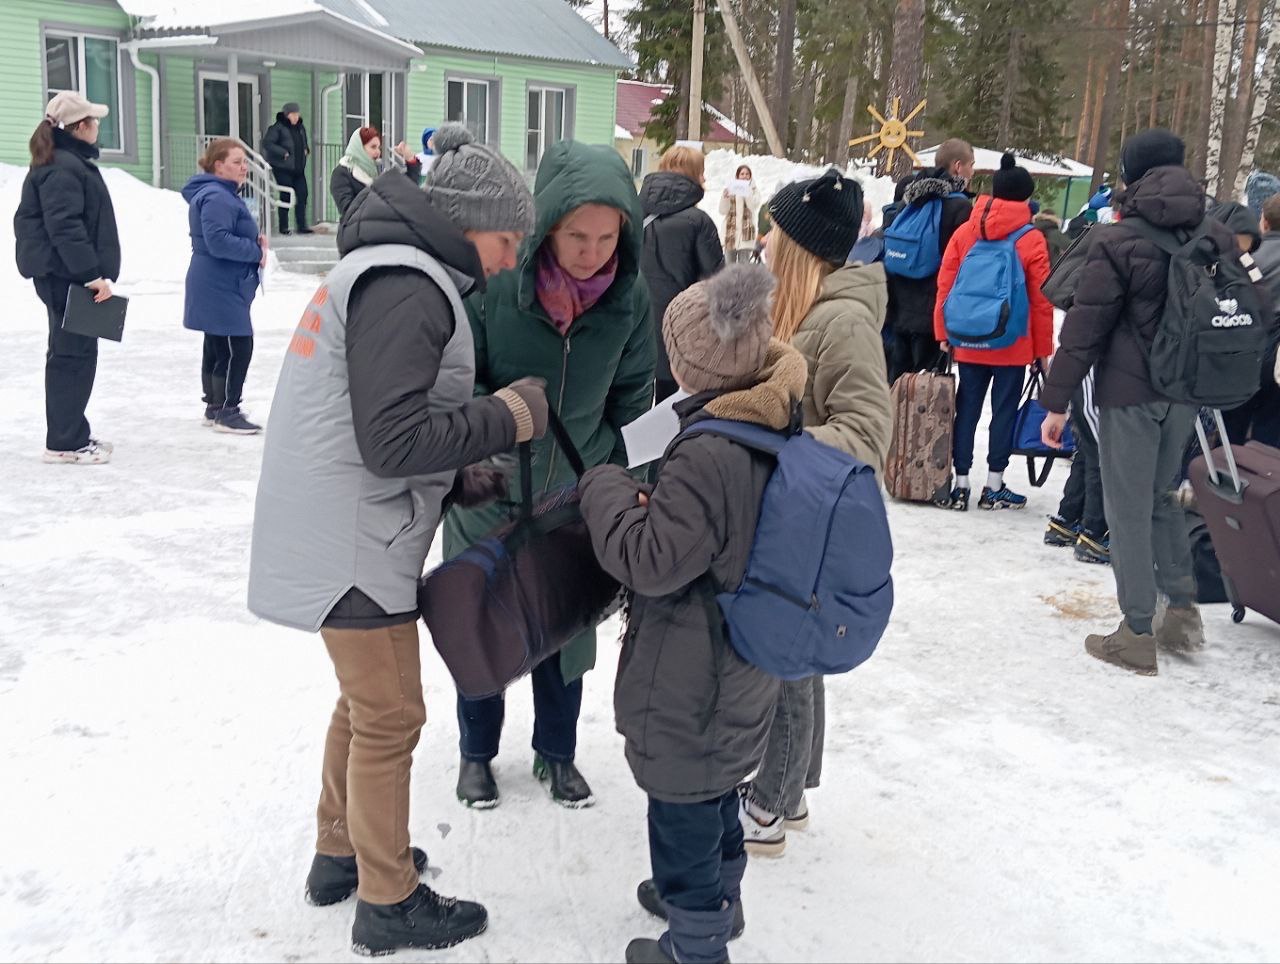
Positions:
{"x": 1234, "y": 491}
{"x": 526, "y": 460}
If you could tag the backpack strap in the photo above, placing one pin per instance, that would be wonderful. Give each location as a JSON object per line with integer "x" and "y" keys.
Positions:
{"x": 755, "y": 437}
{"x": 1017, "y": 235}
{"x": 648, "y": 221}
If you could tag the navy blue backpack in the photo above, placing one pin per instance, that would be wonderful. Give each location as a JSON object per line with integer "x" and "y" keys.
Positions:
{"x": 988, "y": 306}
{"x": 913, "y": 242}
{"x": 817, "y": 593}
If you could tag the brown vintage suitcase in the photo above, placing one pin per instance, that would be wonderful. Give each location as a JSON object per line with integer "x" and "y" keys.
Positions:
{"x": 918, "y": 468}
{"x": 1240, "y": 503}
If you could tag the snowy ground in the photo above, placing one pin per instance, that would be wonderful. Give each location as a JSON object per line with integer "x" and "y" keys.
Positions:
{"x": 990, "y": 793}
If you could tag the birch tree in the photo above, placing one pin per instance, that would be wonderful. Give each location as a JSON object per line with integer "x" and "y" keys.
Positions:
{"x": 1270, "y": 54}
{"x": 1221, "y": 86}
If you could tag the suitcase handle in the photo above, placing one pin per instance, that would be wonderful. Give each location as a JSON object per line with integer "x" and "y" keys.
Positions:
{"x": 570, "y": 450}
{"x": 1237, "y": 486}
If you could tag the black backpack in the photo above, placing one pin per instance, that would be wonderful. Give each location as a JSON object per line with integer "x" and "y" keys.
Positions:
{"x": 1211, "y": 337}
{"x": 1060, "y": 286}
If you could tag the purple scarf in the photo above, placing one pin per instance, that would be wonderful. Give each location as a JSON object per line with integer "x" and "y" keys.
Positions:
{"x": 564, "y": 297}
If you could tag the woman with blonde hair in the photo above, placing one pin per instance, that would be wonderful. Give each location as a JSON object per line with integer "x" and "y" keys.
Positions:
{"x": 739, "y": 203}
{"x": 681, "y": 245}
{"x": 832, "y": 313}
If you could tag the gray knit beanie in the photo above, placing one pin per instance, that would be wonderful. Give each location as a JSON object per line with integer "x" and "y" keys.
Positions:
{"x": 717, "y": 331}
{"x": 474, "y": 186}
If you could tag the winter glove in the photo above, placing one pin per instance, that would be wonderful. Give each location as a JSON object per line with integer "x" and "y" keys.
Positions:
{"x": 527, "y": 401}
{"x": 478, "y": 485}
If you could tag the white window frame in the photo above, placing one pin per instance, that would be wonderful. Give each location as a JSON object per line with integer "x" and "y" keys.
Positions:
{"x": 490, "y": 101}
{"x": 79, "y": 36}
{"x": 203, "y": 75}
{"x": 565, "y": 99}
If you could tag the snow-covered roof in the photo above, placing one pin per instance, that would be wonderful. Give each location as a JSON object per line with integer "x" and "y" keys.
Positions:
{"x": 987, "y": 161}
{"x": 620, "y": 133}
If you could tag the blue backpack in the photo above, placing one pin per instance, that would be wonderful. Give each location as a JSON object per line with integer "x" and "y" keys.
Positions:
{"x": 988, "y": 305}
{"x": 817, "y": 592}
{"x": 913, "y": 242}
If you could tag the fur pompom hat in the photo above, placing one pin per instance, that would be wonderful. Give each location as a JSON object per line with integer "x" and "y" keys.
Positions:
{"x": 717, "y": 331}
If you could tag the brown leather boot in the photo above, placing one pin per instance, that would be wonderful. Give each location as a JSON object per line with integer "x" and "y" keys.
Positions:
{"x": 1179, "y": 629}
{"x": 1135, "y": 652}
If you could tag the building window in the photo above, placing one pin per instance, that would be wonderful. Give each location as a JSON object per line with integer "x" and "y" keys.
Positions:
{"x": 91, "y": 66}
{"x": 637, "y": 162}
{"x": 468, "y": 102}
{"x": 215, "y": 107}
{"x": 362, "y": 104}
{"x": 546, "y": 122}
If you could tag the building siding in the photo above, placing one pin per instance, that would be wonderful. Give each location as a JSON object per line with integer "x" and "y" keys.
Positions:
{"x": 21, "y": 75}
{"x": 594, "y": 97}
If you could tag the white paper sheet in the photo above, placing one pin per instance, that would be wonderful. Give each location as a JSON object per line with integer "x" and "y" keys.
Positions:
{"x": 648, "y": 436}
{"x": 740, "y": 188}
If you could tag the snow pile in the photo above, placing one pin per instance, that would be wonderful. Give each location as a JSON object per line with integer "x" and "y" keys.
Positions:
{"x": 770, "y": 173}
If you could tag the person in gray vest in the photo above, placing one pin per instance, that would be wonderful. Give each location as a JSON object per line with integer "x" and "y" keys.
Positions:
{"x": 373, "y": 429}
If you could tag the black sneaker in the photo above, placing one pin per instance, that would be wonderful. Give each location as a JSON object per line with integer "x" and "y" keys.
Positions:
{"x": 1060, "y": 534}
{"x": 476, "y": 786}
{"x": 211, "y": 414}
{"x": 1091, "y": 548}
{"x": 1001, "y": 498}
{"x": 645, "y": 950}
{"x": 334, "y": 879}
{"x": 567, "y": 786}
{"x": 647, "y": 894}
{"x": 424, "y": 919}
{"x": 231, "y": 421}
{"x": 957, "y": 501}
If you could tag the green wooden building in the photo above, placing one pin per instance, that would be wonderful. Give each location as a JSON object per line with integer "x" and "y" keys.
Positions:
{"x": 521, "y": 73}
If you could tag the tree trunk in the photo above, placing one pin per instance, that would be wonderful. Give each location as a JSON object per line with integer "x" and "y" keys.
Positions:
{"x": 1153, "y": 114}
{"x": 846, "y": 112}
{"x": 1270, "y": 54}
{"x": 784, "y": 69}
{"x": 804, "y": 112}
{"x": 906, "y": 68}
{"x": 1004, "y": 134}
{"x": 815, "y": 145}
{"x": 1129, "y": 106}
{"x": 1207, "y": 85}
{"x": 1102, "y": 87}
{"x": 1218, "y": 105}
{"x": 1186, "y": 50}
{"x": 1116, "y": 46}
{"x": 1242, "y": 106}
{"x": 1086, "y": 110}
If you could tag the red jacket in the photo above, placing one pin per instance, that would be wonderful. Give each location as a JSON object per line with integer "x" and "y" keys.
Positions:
{"x": 991, "y": 220}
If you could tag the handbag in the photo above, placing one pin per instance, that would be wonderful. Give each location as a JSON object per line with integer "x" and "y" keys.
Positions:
{"x": 520, "y": 594}
{"x": 1026, "y": 432}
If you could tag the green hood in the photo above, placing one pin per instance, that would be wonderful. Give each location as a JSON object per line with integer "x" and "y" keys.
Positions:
{"x": 356, "y": 154}
{"x": 573, "y": 174}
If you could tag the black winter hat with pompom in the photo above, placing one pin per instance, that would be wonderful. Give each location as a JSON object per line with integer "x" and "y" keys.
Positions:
{"x": 822, "y": 215}
{"x": 1012, "y": 183}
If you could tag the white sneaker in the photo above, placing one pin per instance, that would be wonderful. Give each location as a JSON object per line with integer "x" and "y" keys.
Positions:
{"x": 92, "y": 454}
{"x": 764, "y": 834}
{"x": 105, "y": 446}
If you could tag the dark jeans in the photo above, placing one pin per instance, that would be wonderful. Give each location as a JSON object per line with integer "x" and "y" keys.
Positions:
{"x": 70, "y": 364}
{"x": 913, "y": 352}
{"x": 556, "y": 705}
{"x": 792, "y": 760}
{"x": 298, "y": 181}
{"x": 1005, "y": 383}
{"x": 1082, "y": 497}
{"x": 687, "y": 843}
{"x": 225, "y": 365}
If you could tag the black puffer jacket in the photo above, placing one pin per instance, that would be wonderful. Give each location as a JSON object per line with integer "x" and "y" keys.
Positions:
{"x": 681, "y": 246}
{"x": 65, "y": 226}
{"x": 1121, "y": 293}
{"x": 911, "y": 299}
{"x": 695, "y": 715}
{"x": 285, "y": 145}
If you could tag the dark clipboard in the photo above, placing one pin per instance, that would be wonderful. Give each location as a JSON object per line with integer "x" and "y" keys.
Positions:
{"x": 86, "y": 317}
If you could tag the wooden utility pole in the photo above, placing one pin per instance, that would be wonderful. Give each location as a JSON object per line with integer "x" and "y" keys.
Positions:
{"x": 695, "y": 69}
{"x": 743, "y": 56}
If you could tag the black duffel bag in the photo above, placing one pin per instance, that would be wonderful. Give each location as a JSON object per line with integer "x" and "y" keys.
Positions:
{"x": 521, "y": 593}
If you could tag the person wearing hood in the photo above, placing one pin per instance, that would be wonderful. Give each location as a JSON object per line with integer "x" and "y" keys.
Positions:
{"x": 1241, "y": 222}
{"x": 428, "y": 155}
{"x": 694, "y": 715}
{"x": 681, "y": 245}
{"x": 1112, "y": 323}
{"x": 227, "y": 252}
{"x": 574, "y": 314}
{"x": 1096, "y": 209}
{"x": 373, "y": 428}
{"x": 286, "y": 148}
{"x": 357, "y": 168}
{"x": 1258, "y": 187}
{"x": 1002, "y": 371}
{"x": 832, "y": 313}
{"x": 65, "y": 234}
{"x": 911, "y": 300}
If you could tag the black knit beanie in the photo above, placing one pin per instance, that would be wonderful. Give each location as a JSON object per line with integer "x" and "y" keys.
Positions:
{"x": 1012, "y": 183}
{"x": 822, "y": 215}
{"x": 1156, "y": 147}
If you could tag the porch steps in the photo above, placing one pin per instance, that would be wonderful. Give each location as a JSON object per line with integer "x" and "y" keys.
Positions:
{"x": 307, "y": 253}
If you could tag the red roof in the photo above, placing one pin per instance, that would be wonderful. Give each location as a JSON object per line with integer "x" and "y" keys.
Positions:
{"x": 636, "y": 101}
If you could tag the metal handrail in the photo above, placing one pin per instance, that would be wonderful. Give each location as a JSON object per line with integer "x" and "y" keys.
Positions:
{"x": 261, "y": 191}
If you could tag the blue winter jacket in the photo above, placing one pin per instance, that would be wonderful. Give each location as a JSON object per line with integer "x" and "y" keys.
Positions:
{"x": 223, "y": 277}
